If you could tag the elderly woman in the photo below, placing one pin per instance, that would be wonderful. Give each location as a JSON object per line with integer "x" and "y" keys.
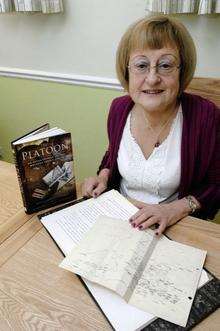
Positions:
{"x": 164, "y": 144}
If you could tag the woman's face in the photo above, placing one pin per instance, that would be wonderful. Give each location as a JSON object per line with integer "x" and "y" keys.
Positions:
{"x": 154, "y": 88}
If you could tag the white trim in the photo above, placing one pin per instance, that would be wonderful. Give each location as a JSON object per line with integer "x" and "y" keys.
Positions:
{"x": 82, "y": 80}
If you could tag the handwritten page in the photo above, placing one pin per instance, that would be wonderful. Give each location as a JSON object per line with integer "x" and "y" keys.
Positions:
{"x": 113, "y": 259}
{"x": 169, "y": 281}
{"x": 156, "y": 275}
{"x": 64, "y": 227}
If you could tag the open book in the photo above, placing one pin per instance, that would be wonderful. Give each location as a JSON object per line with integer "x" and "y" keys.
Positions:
{"x": 70, "y": 224}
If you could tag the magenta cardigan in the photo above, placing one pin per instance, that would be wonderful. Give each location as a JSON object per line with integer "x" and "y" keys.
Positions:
{"x": 200, "y": 149}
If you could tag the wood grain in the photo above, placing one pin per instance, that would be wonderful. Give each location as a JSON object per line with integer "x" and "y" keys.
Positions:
{"x": 12, "y": 215}
{"x": 201, "y": 234}
{"x": 18, "y": 239}
{"x": 210, "y": 323}
{"x": 38, "y": 295}
{"x": 10, "y": 197}
{"x": 206, "y": 87}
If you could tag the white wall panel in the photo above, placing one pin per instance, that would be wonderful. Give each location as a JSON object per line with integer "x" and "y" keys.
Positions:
{"x": 83, "y": 40}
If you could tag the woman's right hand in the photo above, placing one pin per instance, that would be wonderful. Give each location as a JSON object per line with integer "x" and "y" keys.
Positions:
{"x": 94, "y": 186}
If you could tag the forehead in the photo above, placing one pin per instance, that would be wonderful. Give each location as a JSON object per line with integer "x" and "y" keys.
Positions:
{"x": 155, "y": 54}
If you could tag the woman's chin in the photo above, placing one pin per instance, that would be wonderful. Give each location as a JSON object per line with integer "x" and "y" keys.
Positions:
{"x": 152, "y": 105}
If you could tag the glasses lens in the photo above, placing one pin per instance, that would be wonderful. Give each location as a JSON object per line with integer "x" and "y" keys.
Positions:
{"x": 139, "y": 66}
{"x": 165, "y": 68}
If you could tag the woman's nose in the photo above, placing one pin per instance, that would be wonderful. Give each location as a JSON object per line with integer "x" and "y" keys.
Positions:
{"x": 152, "y": 77}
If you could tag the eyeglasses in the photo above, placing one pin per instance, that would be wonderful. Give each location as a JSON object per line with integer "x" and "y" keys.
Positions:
{"x": 163, "y": 68}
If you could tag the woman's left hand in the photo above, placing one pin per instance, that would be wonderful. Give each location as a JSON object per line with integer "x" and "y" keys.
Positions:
{"x": 162, "y": 215}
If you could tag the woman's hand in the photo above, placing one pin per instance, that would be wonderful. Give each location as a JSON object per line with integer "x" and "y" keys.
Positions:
{"x": 160, "y": 215}
{"x": 94, "y": 186}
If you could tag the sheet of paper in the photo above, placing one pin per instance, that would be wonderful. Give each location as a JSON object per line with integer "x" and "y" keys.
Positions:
{"x": 157, "y": 275}
{"x": 168, "y": 284}
{"x": 113, "y": 260}
{"x": 74, "y": 222}
{"x": 121, "y": 315}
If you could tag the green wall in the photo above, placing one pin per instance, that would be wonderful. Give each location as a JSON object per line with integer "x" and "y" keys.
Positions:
{"x": 26, "y": 104}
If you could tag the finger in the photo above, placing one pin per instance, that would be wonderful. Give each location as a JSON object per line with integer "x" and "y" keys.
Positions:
{"x": 86, "y": 193}
{"x": 139, "y": 213}
{"x": 142, "y": 218}
{"x": 161, "y": 228}
{"x": 90, "y": 188}
{"x": 145, "y": 225}
{"x": 98, "y": 190}
{"x": 83, "y": 189}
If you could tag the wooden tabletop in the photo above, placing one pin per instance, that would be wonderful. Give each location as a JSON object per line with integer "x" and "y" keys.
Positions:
{"x": 38, "y": 295}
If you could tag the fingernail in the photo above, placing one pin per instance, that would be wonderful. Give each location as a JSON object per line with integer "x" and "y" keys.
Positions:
{"x": 95, "y": 195}
{"x": 130, "y": 220}
{"x": 134, "y": 225}
{"x": 156, "y": 233}
{"x": 140, "y": 227}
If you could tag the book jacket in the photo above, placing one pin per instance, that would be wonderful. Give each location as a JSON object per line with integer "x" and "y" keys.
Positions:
{"x": 45, "y": 171}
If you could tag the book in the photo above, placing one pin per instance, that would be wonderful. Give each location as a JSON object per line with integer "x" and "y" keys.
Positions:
{"x": 44, "y": 165}
{"x": 68, "y": 225}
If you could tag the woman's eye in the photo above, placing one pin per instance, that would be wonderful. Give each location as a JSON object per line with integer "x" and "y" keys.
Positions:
{"x": 165, "y": 65}
{"x": 142, "y": 65}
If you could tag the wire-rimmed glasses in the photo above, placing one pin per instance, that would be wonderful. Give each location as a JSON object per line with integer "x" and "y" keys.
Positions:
{"x": 164, "y": 67}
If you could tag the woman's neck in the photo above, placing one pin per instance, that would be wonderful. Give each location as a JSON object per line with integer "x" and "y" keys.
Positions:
{"x": 158, "y": 118}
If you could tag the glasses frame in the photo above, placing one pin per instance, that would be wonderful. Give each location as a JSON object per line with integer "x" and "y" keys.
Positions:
{"x": 148, "y": 69}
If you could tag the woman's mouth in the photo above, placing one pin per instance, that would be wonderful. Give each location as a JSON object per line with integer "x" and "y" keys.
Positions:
{"x": 152, "y": 91}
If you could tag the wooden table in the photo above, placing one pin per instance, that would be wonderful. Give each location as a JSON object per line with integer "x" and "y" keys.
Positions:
{"x": 35, "y": 294}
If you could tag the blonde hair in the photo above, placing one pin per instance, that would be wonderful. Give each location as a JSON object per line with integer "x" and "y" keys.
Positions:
{"x": 157, "y": 32}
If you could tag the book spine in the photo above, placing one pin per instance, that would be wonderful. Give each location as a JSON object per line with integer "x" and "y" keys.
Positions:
{"x": 14, "y": 151}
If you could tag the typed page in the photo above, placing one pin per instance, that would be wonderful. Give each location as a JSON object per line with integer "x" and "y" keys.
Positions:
{"x": 73, "y": 222}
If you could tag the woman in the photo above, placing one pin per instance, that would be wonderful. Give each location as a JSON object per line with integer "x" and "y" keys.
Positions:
{"x": 163, "y": 143}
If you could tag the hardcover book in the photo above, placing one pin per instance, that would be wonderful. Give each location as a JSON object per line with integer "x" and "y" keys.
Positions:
{"x": 44, "y": 164}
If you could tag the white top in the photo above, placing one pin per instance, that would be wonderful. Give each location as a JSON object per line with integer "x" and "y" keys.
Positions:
{"x": 157, "y": 178}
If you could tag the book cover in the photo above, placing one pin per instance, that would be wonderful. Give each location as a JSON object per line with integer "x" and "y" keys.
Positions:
{"x": 45, "y": 171}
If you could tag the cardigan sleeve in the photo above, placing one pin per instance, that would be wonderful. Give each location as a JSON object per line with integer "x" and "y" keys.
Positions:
{"x": 208, "y": 192}
{"x": 106, "y": 160}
